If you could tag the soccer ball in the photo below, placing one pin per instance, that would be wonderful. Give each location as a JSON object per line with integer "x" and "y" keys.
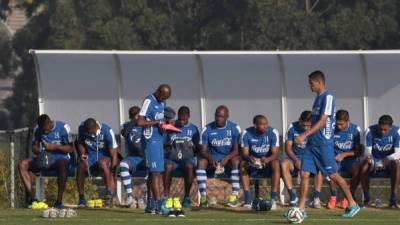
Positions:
{"x": 295, "y": 215}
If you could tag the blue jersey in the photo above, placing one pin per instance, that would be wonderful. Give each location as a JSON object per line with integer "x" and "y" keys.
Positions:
{"x": 324, "y": 104}
{"x": 152, "y": 110}
{"x": 220, "y": 140}
{"x": 382, "y": 147}
{"x": 190, "y": 132}
{"x": 293, "y": 131}
{"x": 60, "y": 134}
{"x": 134, "y": 143}
{"x": 102, "y": 142}
{"x": 260, "y": 145}
{"x": 346, "y": 140}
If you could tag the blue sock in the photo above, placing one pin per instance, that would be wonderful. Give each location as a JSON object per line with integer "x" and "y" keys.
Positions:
{"x": 393, "y": 197}
{"x": 158, "y": 205}
{"x": 333, "y": 193}
{"x": 81, "y": 196}
{"x": 292, "y": 194}
{"x": 316, "y": 194}
{"x": 366, "y": 196}
{"x": 109, "y": 193}
{"x": 273, "y": 195}
{"x": 150, "y": 203}
{"x": 248, "y": 197}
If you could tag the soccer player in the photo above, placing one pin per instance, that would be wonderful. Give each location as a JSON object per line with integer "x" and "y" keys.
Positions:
{"x": 135, "y": 158}
{"x": 260, "y": 149}
{"x": 151, "y": 117}
{"x": 382, "y": 148}
{"x": 53, "y": 137}
{"x": 320, "y": 154}
{"x": 181, "y": 156}
{"x": 219, "y": 142}
{"x": 98, "y": 152}
{"x": 292, "y": 164}
{"x": 347, "y": 146}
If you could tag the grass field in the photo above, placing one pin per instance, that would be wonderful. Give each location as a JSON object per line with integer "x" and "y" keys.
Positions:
{"x": 203, "y": 216}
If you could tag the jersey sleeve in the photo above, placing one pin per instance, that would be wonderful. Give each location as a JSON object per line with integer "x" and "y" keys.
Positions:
{"x": 145, "y": 109}
{"x": 290, "y": 133}
{"x": 196, "y": 136}
{"x": 244, "y": 140}
{"x": 236, "y": 135}
{"x": 368, "y": 141}
{"x": 274, "y": 138}
{"x": 110, "y": 139}
{"x": 66, "y": 136}
{"x": 327, "y": 105}
{"x": 204, "y": 137}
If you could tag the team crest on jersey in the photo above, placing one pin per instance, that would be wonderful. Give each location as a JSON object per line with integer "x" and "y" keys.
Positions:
{"x": 56, "y": 135}
{"x": 148, "y": 132}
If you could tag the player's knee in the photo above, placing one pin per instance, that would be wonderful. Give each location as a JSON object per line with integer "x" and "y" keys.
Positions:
{"x": 104, "y": 164}
{"x": 305, "y": 175}
{"x": 189, "y": 166}
{"x": 23, "y": 165}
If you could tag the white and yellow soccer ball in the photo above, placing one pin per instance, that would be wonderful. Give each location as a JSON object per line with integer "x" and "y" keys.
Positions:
{"x": 295, "y": 215}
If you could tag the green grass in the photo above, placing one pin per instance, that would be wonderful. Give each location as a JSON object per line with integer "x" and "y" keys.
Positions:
{"x": 203, "y": 216}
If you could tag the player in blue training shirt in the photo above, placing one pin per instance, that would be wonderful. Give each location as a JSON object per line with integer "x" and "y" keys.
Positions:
{"x": 151, "y": 117}
{"x": 219, "y": 142}
{"x": 382, "y": 149}
{"x": 292, "y": 164}
{"x": 98, "y": 152}
{"x": 135, "y": 160}
{"x": 54, "y": 138}
{"x": 320, "y": 155}
{"x": 347, "y": 146}
{"x": 260, "y": 149}
{"x": 181, "y": 156}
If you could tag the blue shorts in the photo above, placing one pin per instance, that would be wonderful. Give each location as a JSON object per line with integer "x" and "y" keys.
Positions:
{"x": 155, "y": 155}
{"x": 136, "y": 163}
{"x": 94, "y": 159}
{"x": 295, "y": 171}
{"x": 52, "y": 166}
{"x": 181, "y": 165}
{"x": 345, "y": 165}
{"x": 319, "y": 159}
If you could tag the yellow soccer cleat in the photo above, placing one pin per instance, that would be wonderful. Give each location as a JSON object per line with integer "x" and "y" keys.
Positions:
{"x": 177, "y": 204}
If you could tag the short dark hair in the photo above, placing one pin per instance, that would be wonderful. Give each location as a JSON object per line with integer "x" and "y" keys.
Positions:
{"x": 133, "y": 111}
{"x": 89, "y": 123}
{"x": 305, "y": 116}
{"x": 42, "y": 120}
{"x": 385, "y": 120}
{"x": 342, "y": 114}
{"x": 258, "y": 117}
{"x": 317, "y": 75}
{"x": 222, "y": 107}
{"x": 184, "y": 111}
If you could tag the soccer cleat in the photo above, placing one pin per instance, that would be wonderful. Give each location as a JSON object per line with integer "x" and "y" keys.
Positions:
{"x": 186, "y": 203}
{"x": 393, "y": 204}
{"x": 170, "y": 127}
{"x": 108, "y": 203}
{"x": 171, "y": 214}
{"x": 247, "y": 206}
{"x": 58, "y": 205}
{"x": 331, "y": 203}
{"x": 180, "y": 213}
{"x": 203, "y": 201}
{"x": 233, "y": 201}
{"x": 344, "y": 203}
{"x": 378, "y": 203}
{"x": 351, "y": 211}
{"x": 273, "y": 204}
{"x": 141, "y": 204}
{"x": 177, "y": 204}
{"x": 169, "y": 203}
{"x": 131, "y": 202}
{"x": 82, "y": 203}
{"x": 293, "y": 202}
{"x": 317, "y": 203}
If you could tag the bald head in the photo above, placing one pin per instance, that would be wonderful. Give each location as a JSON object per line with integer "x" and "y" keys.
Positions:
{"x": 221, "y": 115}
{"x": 163, "y": 92}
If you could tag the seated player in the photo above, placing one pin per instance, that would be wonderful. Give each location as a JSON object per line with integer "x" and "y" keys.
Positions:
{"x": 292, "y": 164}
{"x": 382, "y": 149}
{"x": 135, "y": 160}
{"x": 347, "y": 146}
{"x": 54, "y": 138}
{"x": 219, "y": 142}
{"x": 181, "y": 157}
{"x": 260, "y": 149}
{"x": 98, "y": 152}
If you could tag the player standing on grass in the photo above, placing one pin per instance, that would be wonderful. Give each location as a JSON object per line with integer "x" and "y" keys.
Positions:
{"x": 320, "y": 155}
{"x": 382, "y": 149}
{"x": 219, "y": 149}
{"x": 260, "y": 149}
{"x": 151, "y": 117}
{"x": 292, "y": 164}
